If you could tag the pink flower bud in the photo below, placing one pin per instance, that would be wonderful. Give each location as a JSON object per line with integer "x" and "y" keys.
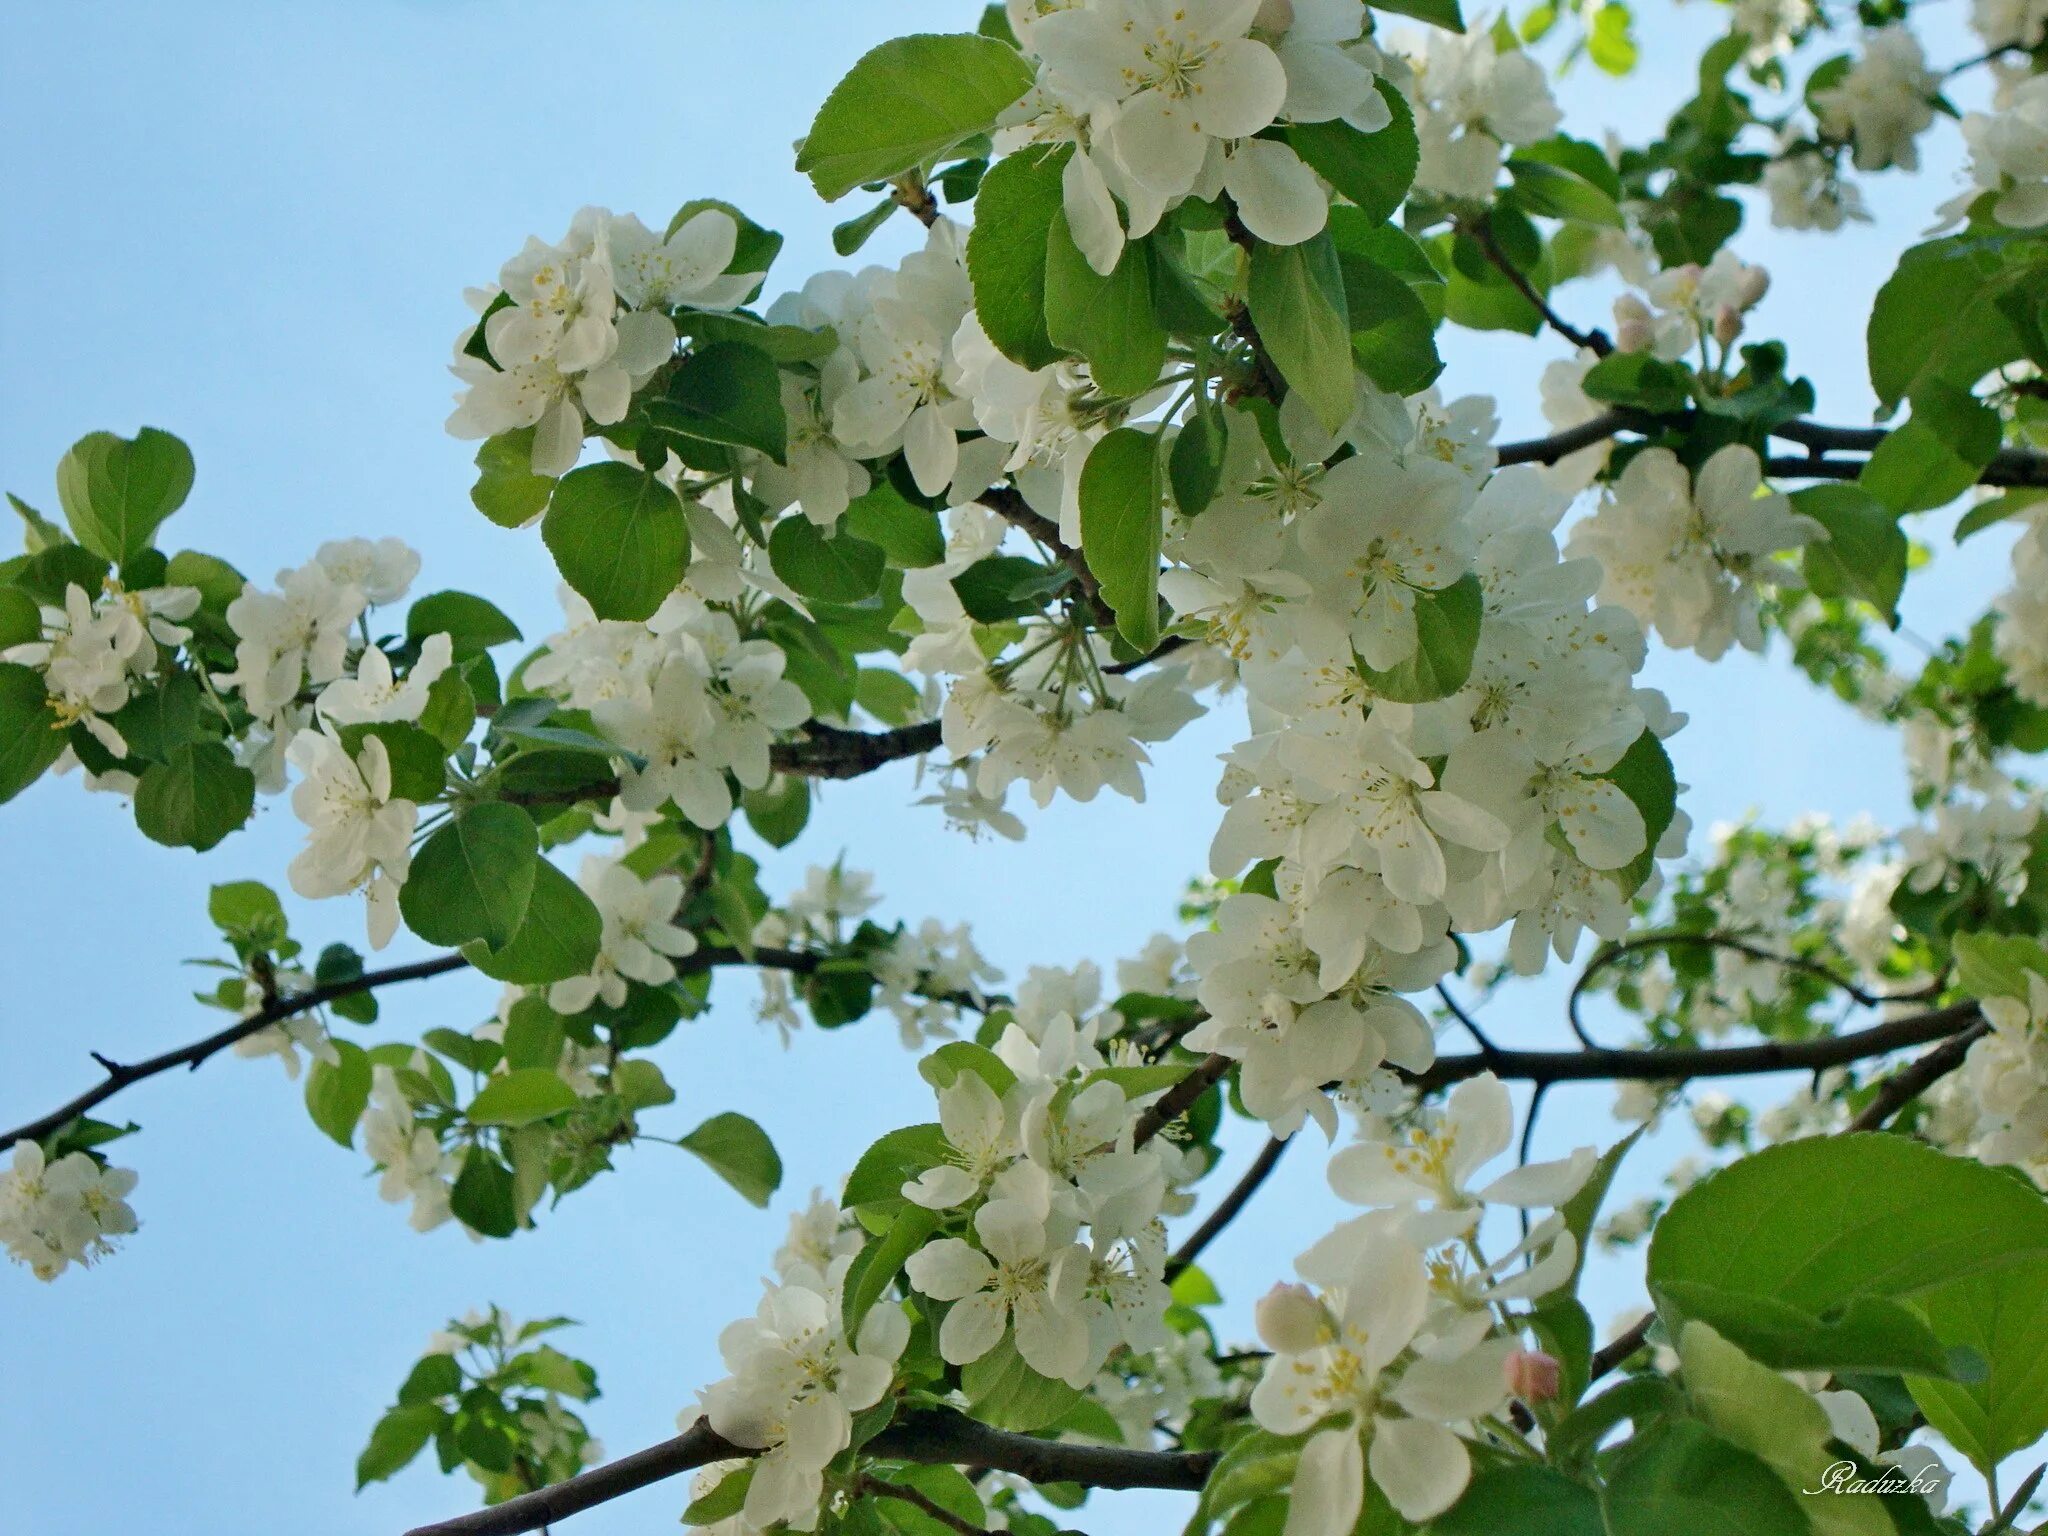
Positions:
{"x": 1532, "y": 1375}
{"x": 1727, "y": 324}
{"x": 1290, "y": 1320}
{"x": 1755, "y": 283}
{"x": 1632, "y": 329}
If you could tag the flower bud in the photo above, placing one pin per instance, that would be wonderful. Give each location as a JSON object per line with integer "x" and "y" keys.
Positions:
{"x": 1632, "y": 329}
{"x": 1532, "y": 1375}
{"x": 1290, "y": 1320}
{"x": 1751, "y": 288}
{"x": 1274, "y": 16}
{"x": 1727, "y": 324}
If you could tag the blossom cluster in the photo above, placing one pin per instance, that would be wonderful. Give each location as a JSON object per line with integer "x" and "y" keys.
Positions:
{"x": 54, "y": 1214}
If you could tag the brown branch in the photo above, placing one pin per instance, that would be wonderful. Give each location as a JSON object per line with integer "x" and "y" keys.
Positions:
{"x": 1611, "y": 953}
{"x": 1909, "y": 1082}
{"x": 1482, "y": 235}
{"x": 121, "y": 1076}
{"x": 2009, "y": 467}
{"x": 1180, "y": 1098}
{"x": 928, "y": 1437}
{"x": 1548, "y": 450}
{"x": 1618, "y": 1349}
{"x": 882, "y": 1488}
{"x": 832, "y": 753}
{"x": 1009, "y": 504}
{"x": 1227, "y": 1209}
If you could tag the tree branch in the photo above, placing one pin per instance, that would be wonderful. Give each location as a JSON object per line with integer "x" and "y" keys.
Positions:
{"x": 929, "y": 1437}
{"x": 1909, "y": 1082}
{"x": 1227, "y": 1209}
{"x": 119, "y": 1076}
{"x": 1481, "y": 232}
{"x": 1180, "y": 1098}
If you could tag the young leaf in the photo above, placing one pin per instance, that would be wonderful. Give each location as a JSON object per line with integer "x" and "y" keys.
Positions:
{"x": 1297, "y": 303}
{"x": 1107, "y": 320}
{"x": 833, "y": 568}
{"x": 618, "y": 537}
{"x": 558, "y": 938}
{"x": 1374, "y": 170}
{"x": 116, "y": 491}
{"x": 1446, "y": 634}
{"x": 1120, "y": 529}
{"x": 1006, "y": 252}
{"x": 727, "y": 392}
{"x": 30, "y": 738}
{"x": 1864, "y": 554}
{"x": 474, "y": 878}
{"x": 739, "y": 1152}
{"x": 338, "y": 1091}
{"x": 195, "y": 797}
{"x": 905, "y": 104}
{"x": 520, "y": 1097}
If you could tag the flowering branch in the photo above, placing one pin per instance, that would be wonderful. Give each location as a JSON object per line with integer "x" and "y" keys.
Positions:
{"x": 927, "y": 1436}
{"x": 125, "y": 1075}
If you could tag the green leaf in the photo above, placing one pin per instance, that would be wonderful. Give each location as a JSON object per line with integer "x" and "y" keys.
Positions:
{"x": 434, "y": 1376}
{"x": 739, "y": 1152}
{"x": 400, "y": 1435}
{"x": 1864, "y": 1333}
{"x": 116, "y": 491}
{"x": 909, "y": 535}
{"x": 558, "y": 938}
{"x": 520, "y": 1097}
{"x": 159, "y": 719}
{"x": 1438, "y": 13}
{"x": 483, "y": 1197}
{"x": 639, "y": 1082}
{"x": 1393, "y": 337}
{"x": 1996, "y": 964}
{"x": 1996, "y": 509}
{"x": 533, "y": 1034}
{"x": 338, "y": 1091}
{"x": 726, "y": 1499}
{"x": 31, "y": 736}
{"x": 21, "y": 618}
{"x": 507, "y": 491}
{"x": 1194, "y": 465}
{"x": 216, "y": 582}
{"x": 855, "y": 232}
{"x": 779, "y": 809}
{"x": 729, "y": 393}
{"x": 2003, "y": 1317}
{"x": 1758, "y": 1411}
{"x": 1638, "y": 379}
{"x": 942, "y": 1067}
{"x": 1374, "y": 170}
{"x": 1107, "y": 320}
{"x": 1525, "y": 1499}
{"x": 905, "y": 104}
{"x": 1296, "y": 299}
{"x": 890, "y": 697}
{"x": 1558, "y": 192}
{"x": 1815, "y": 1223}
{"x": 833, "y": 568}
{"x": 195, "y": 797}
{"x": 474, "y": 878}
{"x": 1947, "y": 314}
{"x": 1006, "y": 252}
{"x": 619, "y": 539}
{"x": 878, "y": 1263}
{"x": 1610, "y": 43}
{"x": 1645, "y": 776}
{"x": 249, "y": 910}
{"x": 47, "y": 574}
{"x": 1937, "y": 454}
{"x": 1584, "y": 1207}
{"x": 1447, "y": 632}
{"x": 419, "y": 762}
{"x": 38, "y": 533}
{"x": 1681, "y": 1476}
{"x": 893, "y": 1161}
{"x": 471, "y": 624}
{"x": 1864, "y": 554}
{"x": 1121, "y": 528}
{"x": 1005, "y": 1392}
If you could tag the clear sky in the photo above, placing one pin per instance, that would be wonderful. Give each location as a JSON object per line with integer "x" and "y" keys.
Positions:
{"x": 251, "y": 224}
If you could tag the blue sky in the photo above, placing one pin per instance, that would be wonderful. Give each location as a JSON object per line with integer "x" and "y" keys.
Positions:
{"x": 251, "y": 225}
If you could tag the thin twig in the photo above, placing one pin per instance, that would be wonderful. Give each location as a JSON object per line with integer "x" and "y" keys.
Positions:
{"x": 1914, "y": 1079}
{"x": 1228, "y": 1207}
{"x": 1481, "y": 232}
{"x": 884, "y": 1489}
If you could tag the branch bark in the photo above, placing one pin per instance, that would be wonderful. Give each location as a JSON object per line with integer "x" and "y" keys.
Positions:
{"x": 1227, "y": 1209}
{"x": 935, "y": 1436}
